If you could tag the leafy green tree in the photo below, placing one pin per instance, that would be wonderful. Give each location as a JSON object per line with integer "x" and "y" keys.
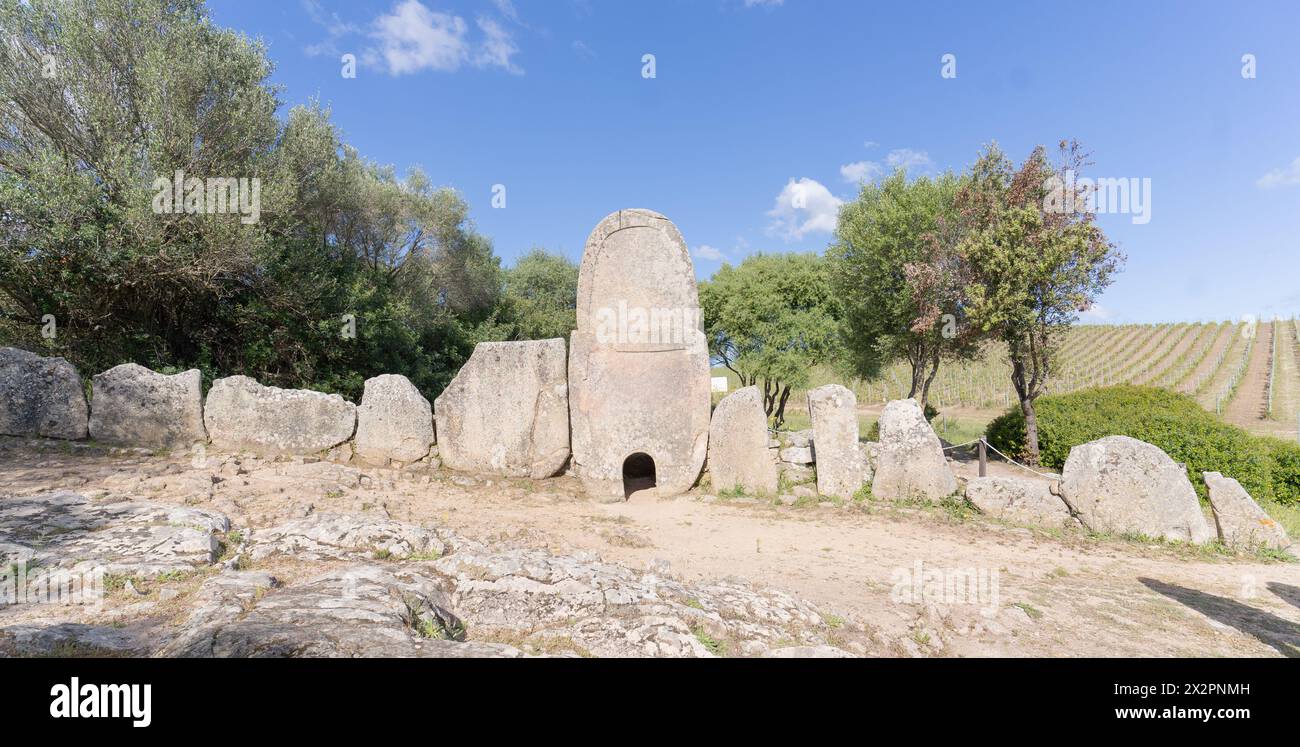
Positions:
{"x": 542, "y": 293}
{"x": 101, "y": 98}
{"x": 901, "y": 280}
{"x": 1035, "y": 258}
{"x": 771, "y": 319}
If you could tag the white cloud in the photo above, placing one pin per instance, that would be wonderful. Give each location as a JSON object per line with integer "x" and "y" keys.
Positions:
{"x": 907, "y": 158}
{"x": 507, "y": 9}
{"x": 804, "y": 206}
{"x": 1096, "y": 313}
{"x": 904, "y": 158}
{"x": 582, "y": 50}
{"x": 860, "y": 171}
{"x": 713, "y": 254}
{"x": 763, "y": 3}
{"x": 497, "y": 49}
{"x": 335, "y": 27}
{"x": 413, "y": 38}
{"x": 1284, "y": 177}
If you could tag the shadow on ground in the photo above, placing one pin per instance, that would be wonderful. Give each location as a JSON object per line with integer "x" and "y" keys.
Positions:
{"x": 1282, "y": 635}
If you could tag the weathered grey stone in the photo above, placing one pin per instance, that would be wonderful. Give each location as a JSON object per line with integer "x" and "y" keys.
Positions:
{"x": 40, "y": 396}
{"x": 136, "y": 538}
{"x": 241, "y": 414}
{"x": 841, "y": 468}
{"x": 364, "y": 610}
{"x": 1239, "y": 519}
{"x": 800, "y": 439}
{"x": 134, "y": 406}
{"x": 1121, "y": 485}
{"x": 738, "y": 453}
{"x": 1014, "y": 499}
{"x": 797, "y": 455}
{"x": 910, "y": 462}
{"x": 507, "y": 411}
{"x": 394, "y": 421}
{"x": 330, "y": 536}
{"x": 638, "y": 361}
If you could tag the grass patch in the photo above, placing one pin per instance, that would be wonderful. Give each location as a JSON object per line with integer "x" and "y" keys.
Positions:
{"x": 710, "y": 644}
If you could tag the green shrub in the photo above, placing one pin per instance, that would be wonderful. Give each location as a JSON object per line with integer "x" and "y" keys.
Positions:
{"x": 1267, "y": 468}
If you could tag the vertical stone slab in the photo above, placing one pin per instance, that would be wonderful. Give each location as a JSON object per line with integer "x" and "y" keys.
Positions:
{"x": 910, "y": 464}
{"x": 739, "y": 456}
{"x": 841, "y": 465}
{"x": 638, "y": 361}
{"x": 1239, "y": 520}
{"x": 507, "y": 411}
{"x": 134, "y": 406}
{"x": 41, "y": 397}
{"x": 242, "y": 415}
{"x": 394, "y": 421}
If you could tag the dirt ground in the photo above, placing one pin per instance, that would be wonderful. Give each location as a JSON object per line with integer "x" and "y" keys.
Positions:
{"x": 881, "y": 565}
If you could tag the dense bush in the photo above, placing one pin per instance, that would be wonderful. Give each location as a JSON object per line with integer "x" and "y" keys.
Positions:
{"x": 347, "y": 271}
{"x": 1268, "y": 468}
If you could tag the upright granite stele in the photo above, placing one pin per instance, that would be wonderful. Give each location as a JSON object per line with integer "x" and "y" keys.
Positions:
{"x": 638, "y": 361}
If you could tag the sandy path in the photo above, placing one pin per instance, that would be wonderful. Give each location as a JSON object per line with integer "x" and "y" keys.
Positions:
{"x": 1250, "y": 403}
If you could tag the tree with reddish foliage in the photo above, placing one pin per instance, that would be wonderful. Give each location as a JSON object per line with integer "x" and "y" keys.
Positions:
{"x": 1035, "y": 258}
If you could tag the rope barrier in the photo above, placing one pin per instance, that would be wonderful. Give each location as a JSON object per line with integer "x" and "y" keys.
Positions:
{"x": 958, "y": 446}
{"x": 1021, "y": 466}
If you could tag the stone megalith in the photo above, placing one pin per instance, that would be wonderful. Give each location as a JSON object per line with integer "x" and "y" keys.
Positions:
{"x": 1239, "y": 519}
{"x": 40, "y": 396}
{"x": 507, "y": 411}
{"x": 842, "y": 467}
{"x": 910, "y": 462}
{"x": 1122, "y": 485}
{"x": 638, "y": 361}
{"x": 243, "y": 415}
{"x": 1020, "y": 500}
{"x": 132, "y": 405}
{"x": 394, "y": 422}
{"x": 739, "y": 456}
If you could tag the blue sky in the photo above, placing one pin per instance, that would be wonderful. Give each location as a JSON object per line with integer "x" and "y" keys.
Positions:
{"x": 547, "y": 98}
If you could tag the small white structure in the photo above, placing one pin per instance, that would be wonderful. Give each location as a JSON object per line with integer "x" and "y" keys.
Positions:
{"x": 719, "y": 384}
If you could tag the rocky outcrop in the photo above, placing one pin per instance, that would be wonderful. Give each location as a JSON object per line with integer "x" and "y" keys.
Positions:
{"x": 135, "y": 538}
{"x": 1121, "y": 485}
{"x": 40, "y": 397}
{"x": 738, "y": 445}
{"x": 329, "y": 536}
{"x": 1239, "y": 519}
{"x": 394, "y": 422}
{"x": 842, "y": 468}
{"x": 242, "y": 415}
{"x": 507, "y": 411}
{"x": 1018, "y": 500}
{"x": 134, "y": 406}
{"x": 910, "y": 464}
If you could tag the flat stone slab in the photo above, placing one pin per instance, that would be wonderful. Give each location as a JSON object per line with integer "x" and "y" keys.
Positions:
{"x": 135, "y": 538}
